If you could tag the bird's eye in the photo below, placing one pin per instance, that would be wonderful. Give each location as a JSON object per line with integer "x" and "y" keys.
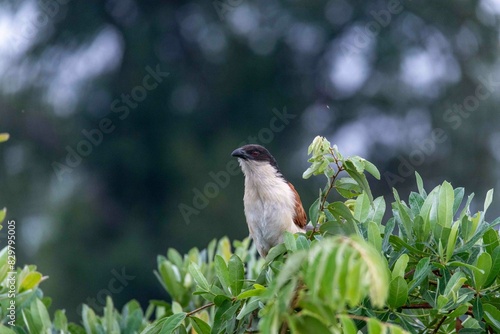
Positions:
{"x": 255, "y": 154}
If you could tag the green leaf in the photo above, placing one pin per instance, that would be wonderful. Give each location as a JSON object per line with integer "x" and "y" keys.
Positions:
{"x": 357, "y": 162}
{"x": 307, "y": 324}
{"x": 396, "y": 330}
{"x": 176, "y": 307}
{"x": 446, "y": 198}
{"x": 421, "y": 230}
{"x": 89, "y": 320}
{"x": 399, "y": 243}
{"x": 479, "y": 232}
{"x": 403, "y": 214}
{"x": 153, "y": 328}
{"x": 491, "y": 240}
{"x": 4, "y": 137}
{"x": 415, "y": 201}
{"x": 420, "y": 185}
{"x": 6, "y": 330}
{"x": 110, "y": 324}
{"x": 360, "y": 178}
{"x": 221, "y": 299}
{"x": 3, "y": 213}
{"x": 495, "y": 267}
{"x": 314, "y": 212}
{"x": 248, "y": 308}
{"x": 30, "y": 281}
{"x": 377, "y": 210}
{"x": 483, "y": 263}
{"x": 372, "y": 169}
{"x": 466, "y": 228}
{"x": 172, "y": 323}
{"x": 168, "y": 275}
{"x": 492, "y": 316}
{"x": 290, "y": 243}
{"x": 389, "y": 227}
{"x": 334, "y": 227}
{"x": 302, "y": 242}
{"x": 236, "y": 274}
{"x": 400, "y": 266}
{"x": 398, "y": 292}
{"x": 374, "y": 235}
{"x": 310, "y": 170}
{"x": 250, "y": 293}
{"x": 222, "y": 272}
{"x": 60, "y": 320}
{"x": 196, "y": 273}
{"x": 422, "y": 270}
{"x": 200, "y": 326}
{"x": 459, "y": 311}
{"x": 452, "y": 240}
{"x": 429, "y": 211}
{"x": 488, "y": 200}
{"x": 347, "y": 187}
{"x": 274, "y": 252}
{"x": 329, "y": 264}
{"x": 441, "y": 302}
{"x": 223, "y": 249}
{"x": 454, "y": 284}
{"x": 377, "y": 270}
{"x": 340, "y": 211}
{"x": 465, "y": 265}
{"x": 466, "y": 208}
{"x": 225, "y": 312}
{"x": 353, "y": 292}
{"x": 362, "y": 208}
{"x": 374, "y": 326}
{"x": 40, "y": 316}
{"x": 348, "y": 326}
{"x": 477, "y": 308}
{"x": 174, "y": 256}
{"x": 459, "y": 196}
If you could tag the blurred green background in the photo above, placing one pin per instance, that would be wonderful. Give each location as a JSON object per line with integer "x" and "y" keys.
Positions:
{"x": 123, "y": 112}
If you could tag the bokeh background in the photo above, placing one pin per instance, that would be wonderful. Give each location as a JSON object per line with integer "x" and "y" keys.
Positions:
{"x": 406, "y": 84}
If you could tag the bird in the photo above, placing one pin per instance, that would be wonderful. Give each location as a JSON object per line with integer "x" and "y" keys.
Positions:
{"x": 272, "y": 205}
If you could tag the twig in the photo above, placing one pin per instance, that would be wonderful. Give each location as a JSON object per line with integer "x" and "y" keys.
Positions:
{"x": 416, "y": 306}
{"x": 199, "y": 309}
{"x": 408, "y": 274}
{"x": 330, "y": 187}
{"x": 440, "y": 323}
{"x": 332, "y": 183}
{"x": 284, "y": 328}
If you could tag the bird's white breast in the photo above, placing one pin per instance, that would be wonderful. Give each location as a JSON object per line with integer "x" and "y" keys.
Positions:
{"x": 269, "y": 205}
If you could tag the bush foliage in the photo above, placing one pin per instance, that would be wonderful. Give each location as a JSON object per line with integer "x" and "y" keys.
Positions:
{"x": 431, "y": 267}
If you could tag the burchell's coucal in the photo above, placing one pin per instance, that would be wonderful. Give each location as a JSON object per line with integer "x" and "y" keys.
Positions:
{"x": 272, "y": 205}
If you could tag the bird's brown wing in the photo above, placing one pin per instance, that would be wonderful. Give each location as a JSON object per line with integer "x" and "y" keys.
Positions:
{"x": 300, "y": 218}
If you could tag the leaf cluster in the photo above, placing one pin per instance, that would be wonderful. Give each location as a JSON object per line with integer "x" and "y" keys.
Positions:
{"x": 427, "y": 266}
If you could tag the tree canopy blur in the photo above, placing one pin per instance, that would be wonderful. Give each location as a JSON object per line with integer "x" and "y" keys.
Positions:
{"x": 123, "y": 114}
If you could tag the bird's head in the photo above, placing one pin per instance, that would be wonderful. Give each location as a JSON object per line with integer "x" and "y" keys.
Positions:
{"x": 253, "y": 157}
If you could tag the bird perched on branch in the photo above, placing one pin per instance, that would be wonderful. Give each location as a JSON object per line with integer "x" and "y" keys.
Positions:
{"x": 272, "y": 205}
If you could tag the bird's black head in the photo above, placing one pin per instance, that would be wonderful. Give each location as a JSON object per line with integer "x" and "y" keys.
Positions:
{"x": 255, "y": 153}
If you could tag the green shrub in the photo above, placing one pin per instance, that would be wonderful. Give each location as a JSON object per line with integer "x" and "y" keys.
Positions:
{"x": 432, "y": 267}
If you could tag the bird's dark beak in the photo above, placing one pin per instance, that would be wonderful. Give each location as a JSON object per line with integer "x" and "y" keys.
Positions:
{"x": 239, "y": 153}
